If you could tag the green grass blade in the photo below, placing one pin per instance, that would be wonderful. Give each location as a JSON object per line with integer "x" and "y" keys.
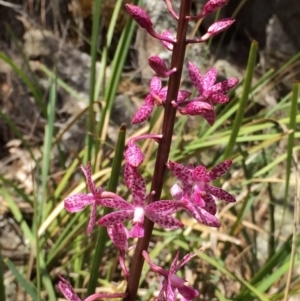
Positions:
{"x": 102, "y": 233}
{"x": 243, "y": 100}
{"x": 26, "y": 285}
{"x": 30, "y": 236}
{"x": 49, "y": 133}
{"x": 94, "y": 48}
{"x": 291, "y": 138}
{"x": 2, "y": 286}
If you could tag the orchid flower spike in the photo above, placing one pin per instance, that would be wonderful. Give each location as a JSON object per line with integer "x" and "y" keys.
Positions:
{"x": 158, "y": 212}
{"x": 172, "y": 283}
{"x": 79, "y": 201}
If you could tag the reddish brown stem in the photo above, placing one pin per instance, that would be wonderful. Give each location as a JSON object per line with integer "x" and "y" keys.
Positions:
{"x": 164, "y": 146}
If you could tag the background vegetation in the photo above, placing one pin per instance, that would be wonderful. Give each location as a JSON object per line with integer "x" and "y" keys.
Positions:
{"x": 253, "y": 256}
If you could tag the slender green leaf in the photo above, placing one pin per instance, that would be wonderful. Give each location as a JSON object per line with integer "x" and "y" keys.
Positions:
{"x": 28, "y": 286}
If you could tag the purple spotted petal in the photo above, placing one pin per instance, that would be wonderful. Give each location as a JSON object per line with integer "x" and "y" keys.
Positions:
{"x": 144, "y": 112}
{"x": 165, "y": 221}
{"x": 210, "y": 204}
{"x": 200, "y": 108}
{"x": 188, "y": 292}
{"x": 88, "y": 176}
{"x": 219, "y": 170}
{"x": 173, "y": 268}
{"x": 181, "y": 172}
{"x": 221, "y": 194}
{"x": 201, "y": 215}
{"x": 161, "y": 96}
{"x": 209, "y": 78}
{"x": 138, "y": 190}
{"x": 92, "y": 220}
{"x": 196, "y": 77}
{"x": 219, "y": 26}
{"x": 78, "y": 202}
{"x": 128, "y": 175}
{"x": 162, "y": 206}
{"x": 155, "y": 84}
{"x": 119, "y": 236}
{"x": 219, "y": 98}
{"x": 199, "y": 173}
{"x": 67, "y": 290}
{"x": 224, "y": 86}
{"x": 115, "y": 217}
{"x": 133, "y": 155}
{"x": 183, "y": 95}
{"x": 117, "y": 203}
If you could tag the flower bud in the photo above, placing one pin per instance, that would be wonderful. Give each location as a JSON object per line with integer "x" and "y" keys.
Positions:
{"x": 139, "y": 16}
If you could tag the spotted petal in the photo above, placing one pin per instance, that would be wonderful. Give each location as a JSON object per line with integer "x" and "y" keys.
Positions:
{"x": 209, "y": 78}
{"x": 201, "y": 215}
{"x": 92, "y": 220}
{"x": 165, "y": 221}
{"x": 210, "y": 204}
{"x": 219, "y": 170}
{"x": 117, "y": 203}
{"x": 138, "y": 189}
{"x": 115, "y": 217}
{"x": 67, "y": 290}
{"x": 119, "y": 236}
{"x": 221, "y": 194}
{"x": 196, "y": 77}
{"x": 224, "y": 86}
{"x": 155, "y": 84}
{"x": 78, "y": 201}
{"x": 162, "y": 206}
{"x": 88, "y": 176}
{"x": 144, "y": 112}
{"x": 133, "y": 155}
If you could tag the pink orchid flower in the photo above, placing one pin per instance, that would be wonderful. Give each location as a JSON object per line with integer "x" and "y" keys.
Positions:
{"x": 197, "y": 195}
{"x": 196, "y": 182}
{"x": 158, "y": 212}
{"x": 172, "y": 283}
{"x": 157, "y": 95}
{"x": 79, "y": 201}
{"x": 209, "y": 93}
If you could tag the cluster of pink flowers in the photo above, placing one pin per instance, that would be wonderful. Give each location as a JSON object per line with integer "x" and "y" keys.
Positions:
{"x": 194, "y": 193}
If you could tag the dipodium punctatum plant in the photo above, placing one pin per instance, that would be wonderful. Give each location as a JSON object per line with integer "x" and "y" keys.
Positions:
{"x": 194, "y": 192}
